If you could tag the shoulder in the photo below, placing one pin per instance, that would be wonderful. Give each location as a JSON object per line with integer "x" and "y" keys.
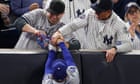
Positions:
{"x": 87, "y": 13}
{"x": 36, "y": 12}
{"x": 117, "y": 21}
{"x": 39, "y": 10}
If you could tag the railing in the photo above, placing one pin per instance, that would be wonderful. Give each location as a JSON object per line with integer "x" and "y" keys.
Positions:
{"x": 27, "y": 67}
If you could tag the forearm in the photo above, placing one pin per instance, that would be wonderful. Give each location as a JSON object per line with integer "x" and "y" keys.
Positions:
{"x": 125, "y": 47}
{"x": 71, "y": 27}
{"x": 22, "y": 25}
{"x": 67, "y": 56}
{"x": 29, "y": 29}
{"x": 51, "y": 58}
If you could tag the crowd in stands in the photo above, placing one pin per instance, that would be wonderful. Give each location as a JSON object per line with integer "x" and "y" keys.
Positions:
{"x": 109, "y": 25}
{"x": 10, "y": 10}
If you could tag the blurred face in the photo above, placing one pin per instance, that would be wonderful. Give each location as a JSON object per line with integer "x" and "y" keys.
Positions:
{"x": 133, "y": 14}
{"x": 104, "y": 15}
{"x": 54, "y": 18}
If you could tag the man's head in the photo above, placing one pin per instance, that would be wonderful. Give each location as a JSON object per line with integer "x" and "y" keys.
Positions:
{"x": 59, "y": 67}
{"x": 103, "y": 9}
{"x": 132, "y": 11}
{"x": 55, "y": 11}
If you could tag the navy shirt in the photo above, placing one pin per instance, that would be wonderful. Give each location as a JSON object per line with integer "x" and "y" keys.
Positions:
{"x": 19, "y": 7}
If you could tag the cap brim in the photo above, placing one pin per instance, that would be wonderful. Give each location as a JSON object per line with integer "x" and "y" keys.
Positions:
{"x": 51, "y": 11}
{"x": 128, "y": 8}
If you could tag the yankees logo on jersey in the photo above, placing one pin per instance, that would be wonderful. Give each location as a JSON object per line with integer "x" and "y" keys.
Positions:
{"x": 79, "y": 12}
{"x": 107, "y": 39}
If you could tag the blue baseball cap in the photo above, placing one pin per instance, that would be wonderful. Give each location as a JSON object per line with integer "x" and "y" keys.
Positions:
{"x": 102, "y": 5}
{"x": 59, "y": 67}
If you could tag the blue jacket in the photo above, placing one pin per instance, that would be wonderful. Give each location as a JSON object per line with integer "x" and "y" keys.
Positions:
{"x": 19, "y": 7}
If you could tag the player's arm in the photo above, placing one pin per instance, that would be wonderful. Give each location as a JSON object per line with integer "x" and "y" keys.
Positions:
{"x": 50, "y": 60}
{"x": 67, "y": 55}
{"x": 47, "y": 79}
{"x": 72, "y": 69}
{"x": 70, "y": 27}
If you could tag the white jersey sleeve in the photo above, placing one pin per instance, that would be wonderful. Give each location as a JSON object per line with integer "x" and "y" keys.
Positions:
{"x": 76, "y": 24}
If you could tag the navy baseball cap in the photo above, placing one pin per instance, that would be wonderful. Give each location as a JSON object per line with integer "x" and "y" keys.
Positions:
{"x": 59, "y": 67}
{"x": 131, "y": 5}
{"x": 102, "y": 5}
{"x": 56, "y": 7}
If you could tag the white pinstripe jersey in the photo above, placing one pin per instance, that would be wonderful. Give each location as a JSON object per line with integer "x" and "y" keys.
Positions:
{"x": 136, "y": 40}
{"x": 37, "y": 19}
{"x": 72, "y": 78}
{"x": 73, "y": 8}
{"x": 136, "y": 43}
{"x": 99, "y": 34}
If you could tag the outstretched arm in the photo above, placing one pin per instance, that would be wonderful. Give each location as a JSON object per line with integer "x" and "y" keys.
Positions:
{"x": 67, "y": 55}
{"x": 51, "y": 58}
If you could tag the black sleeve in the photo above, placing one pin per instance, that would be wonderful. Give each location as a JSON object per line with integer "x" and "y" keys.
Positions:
{"x": 19, "y": 23}
{"x": 74, "y": 44}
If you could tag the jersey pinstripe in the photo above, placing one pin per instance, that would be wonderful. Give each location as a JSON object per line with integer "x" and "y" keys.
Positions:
{"x": 73, "y": 8}
{"x": 99, "y": 34}
{"x": 38, "y": 20}
{"x": 136, "y": 39}
{"x": 136, "y": 43}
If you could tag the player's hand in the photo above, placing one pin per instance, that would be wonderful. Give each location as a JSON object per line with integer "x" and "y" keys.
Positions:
{"x": 34, "y": 6}
{"x": 132, "y": 29}
{"x": 62, "y": 40}
{"x": 110, "y": 54}
{"x": 57, "y": 35}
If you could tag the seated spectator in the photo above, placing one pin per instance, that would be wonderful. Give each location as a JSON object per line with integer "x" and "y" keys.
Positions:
{"x": 19, "y": 7}
{"x": 119, "y": 6}
{"x": 132, "y": 17}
